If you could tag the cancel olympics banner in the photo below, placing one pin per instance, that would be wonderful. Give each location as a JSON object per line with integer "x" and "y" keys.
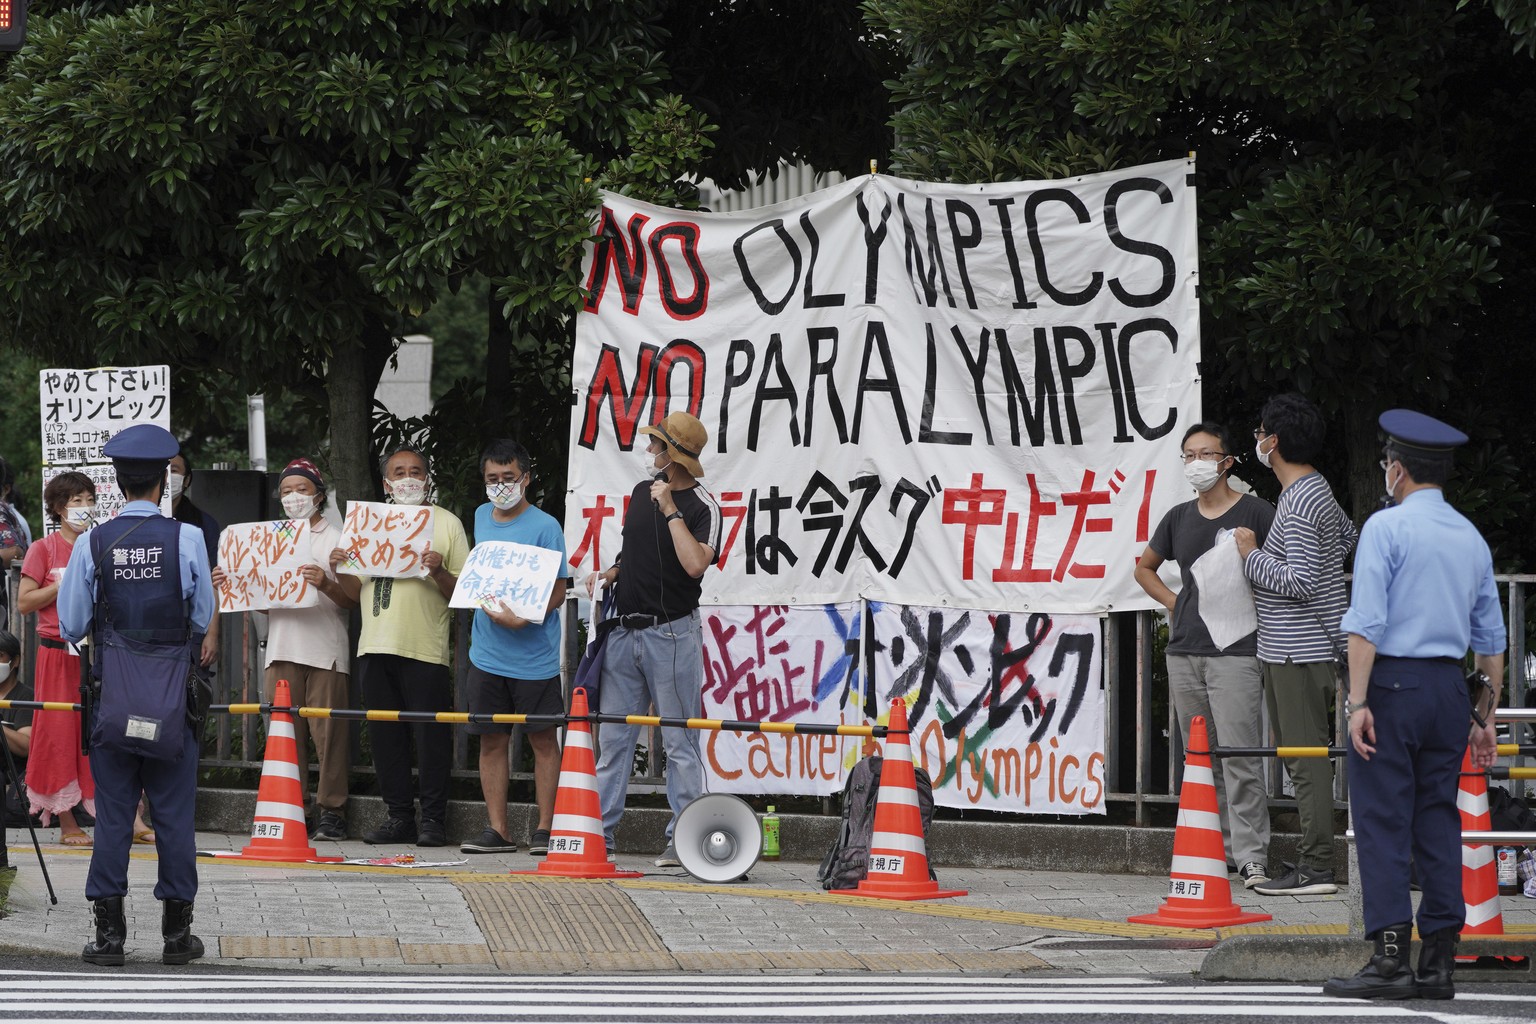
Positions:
{"x": 965, "y": 396}
{"x": 1006, "y": 708}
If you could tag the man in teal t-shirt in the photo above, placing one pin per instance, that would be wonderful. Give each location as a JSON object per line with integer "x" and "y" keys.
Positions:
{"x": 514, "y": 662}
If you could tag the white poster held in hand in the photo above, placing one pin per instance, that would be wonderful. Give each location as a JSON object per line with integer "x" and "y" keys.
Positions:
{"x": 261, "y": 563}
{"x": 517, "y": 577}
{"x": 385, "y": 540}
{"x": 1226, "y": 600}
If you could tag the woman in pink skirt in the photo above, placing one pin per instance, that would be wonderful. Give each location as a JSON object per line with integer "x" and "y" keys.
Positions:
{"x": 58, "y": 775}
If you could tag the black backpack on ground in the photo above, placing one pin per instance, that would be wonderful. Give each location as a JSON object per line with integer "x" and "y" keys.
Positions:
{"x": 847, "y": 862}
{"x": 1506, "y": 813}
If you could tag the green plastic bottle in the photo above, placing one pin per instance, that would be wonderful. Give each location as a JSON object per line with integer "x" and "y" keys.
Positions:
{"x": 770, "y": 835}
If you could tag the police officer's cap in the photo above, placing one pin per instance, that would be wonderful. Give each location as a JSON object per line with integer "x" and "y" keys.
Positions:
{"x": 1417, "y": 432}
{"x": 143, "y": 447}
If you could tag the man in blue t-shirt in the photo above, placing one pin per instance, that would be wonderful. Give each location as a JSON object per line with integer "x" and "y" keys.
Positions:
{"x": 514, "y": 662}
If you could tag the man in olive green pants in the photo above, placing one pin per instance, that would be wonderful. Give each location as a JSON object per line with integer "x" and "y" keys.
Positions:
{"x": 1299, "y": 594}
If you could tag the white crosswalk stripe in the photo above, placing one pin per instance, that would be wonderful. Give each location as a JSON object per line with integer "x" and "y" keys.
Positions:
{"x": 206, "y": 995}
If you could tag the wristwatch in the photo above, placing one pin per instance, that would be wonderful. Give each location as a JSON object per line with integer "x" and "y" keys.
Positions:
{"x": 1350, "y": 707}
{"x": 674, "y": 515}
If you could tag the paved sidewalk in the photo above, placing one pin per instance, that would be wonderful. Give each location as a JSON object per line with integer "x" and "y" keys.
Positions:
{"x": 477, "y": 917}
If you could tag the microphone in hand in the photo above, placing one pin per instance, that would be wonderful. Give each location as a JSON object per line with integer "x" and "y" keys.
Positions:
{"x": 662, "y": 476}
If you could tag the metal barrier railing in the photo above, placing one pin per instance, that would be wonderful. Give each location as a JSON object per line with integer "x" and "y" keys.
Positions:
{"x": 1143, "y": 750}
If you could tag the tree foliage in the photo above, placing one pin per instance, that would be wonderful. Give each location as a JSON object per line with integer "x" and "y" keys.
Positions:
{"x": 263, "y": 193}
{"x": 1352, "y": 157}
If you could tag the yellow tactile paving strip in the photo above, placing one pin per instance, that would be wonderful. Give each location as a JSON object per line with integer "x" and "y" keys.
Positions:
{"x": 279, "y": 947}
{"x": 337, "y": 947}
{"x": 444, "y": 953}
{"x": 592, "y": 919}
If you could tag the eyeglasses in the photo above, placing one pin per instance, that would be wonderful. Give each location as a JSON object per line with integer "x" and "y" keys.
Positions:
{"x": 1260, "y": 433}
{"x": 1189, "y": 457}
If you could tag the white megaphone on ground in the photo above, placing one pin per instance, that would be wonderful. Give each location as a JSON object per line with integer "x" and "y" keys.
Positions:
{"x": 717, "y": 838}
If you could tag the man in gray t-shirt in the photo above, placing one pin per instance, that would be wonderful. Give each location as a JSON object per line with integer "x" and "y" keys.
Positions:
{"x": 1223, "y": 685}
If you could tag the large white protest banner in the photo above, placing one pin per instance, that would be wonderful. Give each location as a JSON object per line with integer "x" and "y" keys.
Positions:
{"x": 1006, "y": 709}
{"x": 932, "y": 394}
{"x": 81, "y": 410}
{"x": 519, "y": 577}
{"x": 774, "y": 664}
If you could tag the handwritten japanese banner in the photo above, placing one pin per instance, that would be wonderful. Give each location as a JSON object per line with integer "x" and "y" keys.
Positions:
{"x": 781, "y": 665}
{"x": 519, "y": 576}
{"x": 83, "y": 409}
{"x": 385, "y": 540}
{"x": 917, "y": 392}
{"x": 261, "y": 563}
{"x": 1006, "y": 708}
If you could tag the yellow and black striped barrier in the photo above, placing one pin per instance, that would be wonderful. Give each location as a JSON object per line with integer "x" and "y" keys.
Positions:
{"x": 1503, "y": 749}
{"x": 467, "y": 718}
{"x": 38, "y": 705}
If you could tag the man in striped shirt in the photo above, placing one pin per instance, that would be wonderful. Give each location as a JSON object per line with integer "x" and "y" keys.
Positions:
{"x": 1299, "y": 593}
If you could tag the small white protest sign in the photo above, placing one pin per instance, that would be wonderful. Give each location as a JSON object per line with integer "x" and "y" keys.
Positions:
{"x": 519, "y": 577}
{"x": 381, "y": 539}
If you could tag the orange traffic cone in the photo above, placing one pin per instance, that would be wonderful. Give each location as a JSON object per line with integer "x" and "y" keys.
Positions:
{"x": 898, "y": 851}
{"x": 576, "y": 845}
{"x": 1479, "y": 874}
{"x": 1199, "y": 894}
{"x": 278, "y": 831}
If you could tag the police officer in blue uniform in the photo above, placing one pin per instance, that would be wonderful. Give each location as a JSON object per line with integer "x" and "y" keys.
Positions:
{"x": 1423, "y": 594}
{"x": 140, "y": 585}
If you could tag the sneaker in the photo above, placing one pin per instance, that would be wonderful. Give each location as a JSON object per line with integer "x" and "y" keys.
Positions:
{"x": 489, "y": 841}
{"x": 394, "y": 830}
{"x": 668, "y": 858}
{"x": 330, "y": 826}
{"x": 1299, "y": 880}
{"x": 1253, "y": 874}
{"x": 538, "y": 843}
{"x": 433, "y": 834}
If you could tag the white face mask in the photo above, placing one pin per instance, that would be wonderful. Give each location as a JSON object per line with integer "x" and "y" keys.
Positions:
{"x": 408, "y": 490}
{"x": 5, "y": 672}
{"x": 297, "y": 505}
{"x": 1258, "y": 450}
{"x": 648, "y": 463}
{"x": 504, "y": 496}
{"x": 81, "y": 517}
{"x": 1391, "y": 487}
{"x": 1202, "y": 475}
{"x": 177, "y": 483}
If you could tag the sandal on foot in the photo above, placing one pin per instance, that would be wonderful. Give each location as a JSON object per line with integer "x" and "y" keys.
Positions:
{"x": 74, "y": 839}
{"x": 145, "y": 837}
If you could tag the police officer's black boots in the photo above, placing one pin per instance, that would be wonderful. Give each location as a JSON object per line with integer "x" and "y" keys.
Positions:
{"x": 111, "y": 933}
{"x": 1437, "y": 960}
{"x": 181, "y": 946}
{"x": 1387, "y": 975}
